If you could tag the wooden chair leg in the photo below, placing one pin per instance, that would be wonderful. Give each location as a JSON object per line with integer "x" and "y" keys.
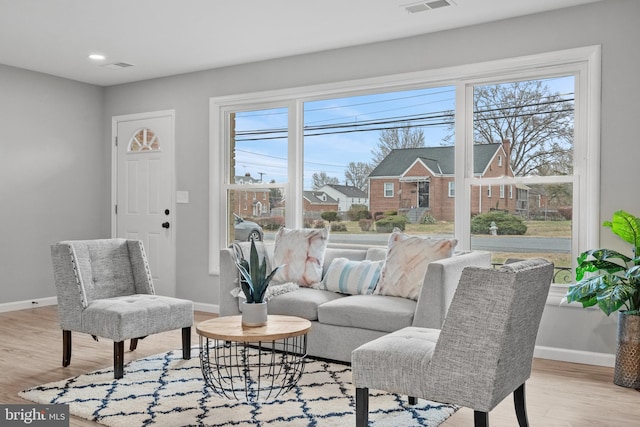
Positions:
{"x": 521, "y": 407}
{"x": 66, "y": 348}
{"x": 412, "y": 400}
{"x": 133, "y": 344}
{"x": 362, "y": 407}
{"x": 118, "y": 359}
{"x": 480, "y": 419}
{"x": 186, "y": 343}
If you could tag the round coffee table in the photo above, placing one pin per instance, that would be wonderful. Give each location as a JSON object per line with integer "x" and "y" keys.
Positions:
{"x": 253, "y": 363}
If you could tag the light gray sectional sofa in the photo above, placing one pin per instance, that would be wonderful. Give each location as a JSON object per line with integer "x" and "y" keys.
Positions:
{"x": 341, "y": 323}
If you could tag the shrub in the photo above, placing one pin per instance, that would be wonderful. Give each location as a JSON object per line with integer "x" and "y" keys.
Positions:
{"x": 271, "y": 223}
{"x": 388, "y": 223}
{"x": 338, "y": 227}
{"x": 318, "y": 224}
{"x": 330, "y": 216}
{"x": 507, "y": 224}
{"x": 358, "y": 212}
{"x": 365, "y": 224}
{"x": 566, "y": 212}
{"x": 428, "y": 219}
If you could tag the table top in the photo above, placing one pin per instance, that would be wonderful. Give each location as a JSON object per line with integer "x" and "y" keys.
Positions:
{"x": 229, "y": 328}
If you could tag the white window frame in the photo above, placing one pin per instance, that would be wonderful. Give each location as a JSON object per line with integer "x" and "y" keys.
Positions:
{"x": 388, "y": 188}
{"x": 452, "y": 189}
{"x": 502, "y": 191}
{"x": 584, "y": 63}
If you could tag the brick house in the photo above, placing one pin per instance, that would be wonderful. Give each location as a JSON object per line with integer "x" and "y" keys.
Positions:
{"x": 421, "y": 180}
{"x": 318, "y": 201}
{"x": 346, "y": 195}
{"x": 252, "y": 202}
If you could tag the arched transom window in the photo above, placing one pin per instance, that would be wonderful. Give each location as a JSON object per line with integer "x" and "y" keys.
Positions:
{"x": 143, "y": 140}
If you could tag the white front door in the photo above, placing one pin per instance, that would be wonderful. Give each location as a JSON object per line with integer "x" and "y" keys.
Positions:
{"x": 144, "y": 183}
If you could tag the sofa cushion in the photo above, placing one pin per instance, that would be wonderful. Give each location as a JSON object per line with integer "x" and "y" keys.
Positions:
{"x": 375, "y": 312}
{"x": 406, "y": 263}
{"x": 302, "y": 303}
{"x": 352, "y": 277}
{"x": 300, "y": 252}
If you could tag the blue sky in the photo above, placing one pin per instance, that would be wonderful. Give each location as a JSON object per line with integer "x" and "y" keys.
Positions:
{"x": 262, "y": 145}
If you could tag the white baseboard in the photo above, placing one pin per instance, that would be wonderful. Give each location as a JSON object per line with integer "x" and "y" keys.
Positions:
{"x": 207, "y": 308}
{"x": 575, "y": 356}
{"x": 22, "y": 305}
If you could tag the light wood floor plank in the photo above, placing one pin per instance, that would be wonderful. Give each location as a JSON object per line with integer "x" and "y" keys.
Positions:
{"x": 559, "y": 394}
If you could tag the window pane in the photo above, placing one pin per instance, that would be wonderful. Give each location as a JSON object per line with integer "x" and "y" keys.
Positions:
{"x": 260, "y": 143}
{"x": 258, "y": 173}
{"x": 533, "y": 120}
{"x": 372, "y": 156}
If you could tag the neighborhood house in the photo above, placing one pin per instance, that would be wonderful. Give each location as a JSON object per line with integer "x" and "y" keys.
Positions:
{"x": 420, "y": 181}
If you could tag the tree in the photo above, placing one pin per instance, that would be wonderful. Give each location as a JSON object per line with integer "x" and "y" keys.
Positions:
{"x": 275, "y": 195}
{"x": 320, "y": 179}
{"x": 538, "y": 123}
{"x": 402, "y": 137}
{"x": 356, "y": 175}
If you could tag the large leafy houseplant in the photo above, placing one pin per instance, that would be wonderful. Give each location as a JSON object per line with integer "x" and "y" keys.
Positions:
{"x": 614, "y": 279}
{"x": 254, "y": 278}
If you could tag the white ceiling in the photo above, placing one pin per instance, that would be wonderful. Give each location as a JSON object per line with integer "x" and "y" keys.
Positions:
{"x": 167, "y": 37}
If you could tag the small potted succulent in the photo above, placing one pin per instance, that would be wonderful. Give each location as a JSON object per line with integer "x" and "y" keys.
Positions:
{"x": 611, "y": 280}
{"x": 254, "y": 281}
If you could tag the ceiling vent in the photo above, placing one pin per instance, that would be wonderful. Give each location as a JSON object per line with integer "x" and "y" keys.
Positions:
{"x": 117, "y": 65}
{"x": 427, "y": 5}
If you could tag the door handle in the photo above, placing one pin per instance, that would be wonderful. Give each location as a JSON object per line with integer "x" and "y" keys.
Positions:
{"x": 165, "y": 225}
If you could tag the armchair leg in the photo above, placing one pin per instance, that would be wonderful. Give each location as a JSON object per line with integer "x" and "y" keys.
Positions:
{"x": 118, "y": 359}
{"x": 412, "y": 400}
{"x": 362, "y": 407}
{"x": 480, "y": 419}
{"x": 186, "y": 343}
{"x": 521, "y": 407}
{"x": 133, "y": 344}
{"x": 66, "y": 348}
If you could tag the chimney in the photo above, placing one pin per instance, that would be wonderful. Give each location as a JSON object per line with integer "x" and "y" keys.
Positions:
{"x": 506, "y": 146}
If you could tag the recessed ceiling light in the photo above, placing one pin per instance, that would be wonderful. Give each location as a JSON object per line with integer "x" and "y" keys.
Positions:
{"x": 97, "y": 57}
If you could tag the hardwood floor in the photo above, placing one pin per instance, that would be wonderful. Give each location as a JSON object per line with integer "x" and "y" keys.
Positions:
{"x": 558, "y": 393}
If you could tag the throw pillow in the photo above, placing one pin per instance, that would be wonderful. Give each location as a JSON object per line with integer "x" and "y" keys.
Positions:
{"x": 352, "y": 277}
{"x": 406, "y": 263}
{"x": 300, "y": 252}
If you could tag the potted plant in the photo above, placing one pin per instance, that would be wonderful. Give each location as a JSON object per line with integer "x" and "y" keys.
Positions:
{"x": 613, "y": 283}
{"x": 254, "y": 281}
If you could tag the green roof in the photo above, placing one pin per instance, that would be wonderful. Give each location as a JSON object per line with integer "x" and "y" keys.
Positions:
{"x": 439, "y": 159}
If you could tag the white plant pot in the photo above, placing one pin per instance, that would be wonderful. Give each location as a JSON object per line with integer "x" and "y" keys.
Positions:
{"x": 254, "y": 314}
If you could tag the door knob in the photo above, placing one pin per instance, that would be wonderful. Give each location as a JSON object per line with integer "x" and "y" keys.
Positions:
{"x": 165, "y": 225}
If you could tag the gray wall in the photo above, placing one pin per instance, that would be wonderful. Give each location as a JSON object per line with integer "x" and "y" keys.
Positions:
{"x": 54, "y": 175}
{"x": 612, "y": 24}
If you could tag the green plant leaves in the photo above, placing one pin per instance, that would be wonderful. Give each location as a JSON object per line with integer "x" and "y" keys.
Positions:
{"x": 254, "y": 279}
{"x": 618, "y": 283}
{"x": 627, "y": 227}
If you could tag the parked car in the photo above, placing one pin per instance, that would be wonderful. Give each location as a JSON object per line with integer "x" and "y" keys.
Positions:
{"x": 247, "y": 230}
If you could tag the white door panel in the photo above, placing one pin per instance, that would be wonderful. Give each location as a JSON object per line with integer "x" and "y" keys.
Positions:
{"x": 144, "y": 191}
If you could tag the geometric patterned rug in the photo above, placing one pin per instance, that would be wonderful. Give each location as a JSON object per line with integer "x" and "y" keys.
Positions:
{"x": 165, "y": 390}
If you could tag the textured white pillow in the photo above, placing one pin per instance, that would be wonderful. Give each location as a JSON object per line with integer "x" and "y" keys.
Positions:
{"x": 301, "y": 254}
{"x": 352, "y": 277}
{"x": 406, "y": 264}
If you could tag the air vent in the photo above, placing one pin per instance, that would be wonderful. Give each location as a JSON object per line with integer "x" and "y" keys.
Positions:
{"x": 117, "y": 65}
{"x": 427, "y": 5}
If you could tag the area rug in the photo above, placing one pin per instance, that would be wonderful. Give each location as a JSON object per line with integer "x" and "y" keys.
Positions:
{"x": 164, "y": 390}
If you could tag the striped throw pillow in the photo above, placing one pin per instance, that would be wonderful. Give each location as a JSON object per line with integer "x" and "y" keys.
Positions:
{"x": 352, "y": 277}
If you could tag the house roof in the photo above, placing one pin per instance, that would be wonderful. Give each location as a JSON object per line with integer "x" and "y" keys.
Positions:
{"x": 439, "y": 159}
{"x": 316, "y": 197}
{"x": 348, "y": 190}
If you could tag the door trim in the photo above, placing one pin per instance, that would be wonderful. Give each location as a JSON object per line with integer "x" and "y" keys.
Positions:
{"x": 172, "y": 166}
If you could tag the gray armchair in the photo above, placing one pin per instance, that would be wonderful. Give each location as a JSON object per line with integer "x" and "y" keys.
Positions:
{"x": 482, "y": 354}
{"x": 105, "y": 289}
